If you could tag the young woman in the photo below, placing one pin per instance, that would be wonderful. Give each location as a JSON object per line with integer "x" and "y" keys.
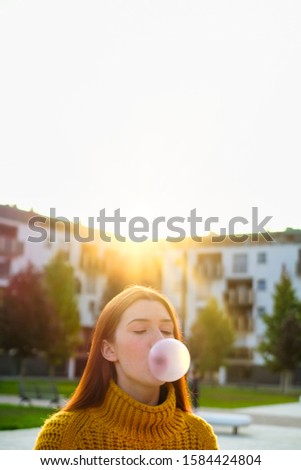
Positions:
{"x": 118, "y": 403}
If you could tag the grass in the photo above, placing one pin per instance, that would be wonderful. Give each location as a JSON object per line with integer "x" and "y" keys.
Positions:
{"x": 11, "y": 387}
{"x": 240, "y": 397}
{"x": 24, "y": 416}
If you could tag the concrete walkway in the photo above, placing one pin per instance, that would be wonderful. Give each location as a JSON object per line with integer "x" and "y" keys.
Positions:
{"x": 273, "y": 427}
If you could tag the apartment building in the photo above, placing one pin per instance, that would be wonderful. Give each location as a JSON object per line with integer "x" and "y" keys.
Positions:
{"x": 87, "y": 259}
{"x": 242, "y": 278}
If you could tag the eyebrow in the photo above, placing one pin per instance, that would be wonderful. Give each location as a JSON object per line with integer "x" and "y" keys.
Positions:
{"x": 165, "y": 320}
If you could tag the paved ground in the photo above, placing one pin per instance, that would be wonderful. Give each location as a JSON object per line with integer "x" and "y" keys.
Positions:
{"x": 274, "y": 427}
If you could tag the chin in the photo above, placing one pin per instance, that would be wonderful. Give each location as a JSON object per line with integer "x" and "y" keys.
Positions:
{"x": 155, "y": 382}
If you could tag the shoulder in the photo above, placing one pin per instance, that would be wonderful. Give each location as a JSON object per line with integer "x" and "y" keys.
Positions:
{"x": 204, "y": 430}
{"x": 59, "y": 429}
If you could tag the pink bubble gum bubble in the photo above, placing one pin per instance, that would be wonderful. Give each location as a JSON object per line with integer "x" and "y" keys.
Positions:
{"x": 169, "y": 360}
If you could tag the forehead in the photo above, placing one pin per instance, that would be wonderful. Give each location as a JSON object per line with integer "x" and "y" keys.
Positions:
{"x": 145, "y": 309}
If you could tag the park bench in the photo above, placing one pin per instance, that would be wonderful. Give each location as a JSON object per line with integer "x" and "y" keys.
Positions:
{"x": 46, "y": 391}
{"x": 234, "y": 420}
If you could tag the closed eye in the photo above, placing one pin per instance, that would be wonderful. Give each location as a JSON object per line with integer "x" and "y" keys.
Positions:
{"x": 168, "y": 333}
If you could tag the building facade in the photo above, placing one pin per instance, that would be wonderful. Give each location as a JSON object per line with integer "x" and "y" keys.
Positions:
{"x": 87, "y": 259}
{"x": 242, "y": 278}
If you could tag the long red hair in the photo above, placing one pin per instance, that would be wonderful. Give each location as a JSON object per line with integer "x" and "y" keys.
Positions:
{"x": 98, "y": 372}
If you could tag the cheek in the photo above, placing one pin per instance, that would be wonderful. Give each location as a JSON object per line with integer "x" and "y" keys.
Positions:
{"x": 135, "y": 350}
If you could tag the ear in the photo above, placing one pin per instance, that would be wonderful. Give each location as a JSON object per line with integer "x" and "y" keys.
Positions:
{"x": 108, "y": 351}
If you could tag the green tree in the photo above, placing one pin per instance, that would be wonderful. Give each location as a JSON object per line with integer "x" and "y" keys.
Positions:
{"x": 211, "y": 338}
{"x": 61, "y": 288}
{"x": 26, "y": 322}
{"x": 281, "y": 347}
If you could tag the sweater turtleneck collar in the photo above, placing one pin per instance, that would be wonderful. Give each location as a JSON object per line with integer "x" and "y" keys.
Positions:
{"x": 127, "y": 416}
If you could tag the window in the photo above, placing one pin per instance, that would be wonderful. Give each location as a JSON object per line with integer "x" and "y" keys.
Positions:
{"x": 1, "y": 295}
{"x": 261, "y": 311}
{"x": 261, "y": 284}
{"x": 4, "y": 268}
{"x": 261, "y": 257}
{"x": 91, "y": 284}
{"x": 209, "y": 265}
{"x": 240, "y": 263}
{"x": 78, "y": 285}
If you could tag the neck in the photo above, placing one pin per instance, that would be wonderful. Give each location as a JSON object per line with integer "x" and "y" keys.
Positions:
{"x": 146, "y": 395}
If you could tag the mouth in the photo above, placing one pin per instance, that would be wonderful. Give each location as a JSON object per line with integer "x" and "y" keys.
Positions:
{"x": 160, "y": 361}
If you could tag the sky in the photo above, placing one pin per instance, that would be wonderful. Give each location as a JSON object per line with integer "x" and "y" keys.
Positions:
{"x": 154, "y": 107}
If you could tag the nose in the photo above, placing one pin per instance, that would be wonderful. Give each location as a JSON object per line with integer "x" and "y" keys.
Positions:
{"x": 157, "y": 336}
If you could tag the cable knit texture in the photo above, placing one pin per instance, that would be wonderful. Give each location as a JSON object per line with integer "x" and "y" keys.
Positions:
{"x": 124, "y": 423}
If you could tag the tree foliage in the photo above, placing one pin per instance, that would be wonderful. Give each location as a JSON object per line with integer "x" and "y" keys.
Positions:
{"x": 61, "y": 289}
{"x": 26, "y": 321}
{"x": 281, "y": 347}
{"x": 211, "y": 338}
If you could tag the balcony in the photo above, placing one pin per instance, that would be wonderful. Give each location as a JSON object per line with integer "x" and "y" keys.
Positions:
{"x": 90, "y": 261}
{"x": 209, "y": 266}
{"x": 239, "y": 293}
{"x": 241, "y": 355}
{"x": 4, "y": 269}
{"x": 237, "y": 299}
{"x": 92, "y": 265}
{"x": 10, "y": 247}
{"x": 242, "y": 322}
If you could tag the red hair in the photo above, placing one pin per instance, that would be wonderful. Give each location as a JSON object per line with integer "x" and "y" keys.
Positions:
{"x": 98, "y": 372}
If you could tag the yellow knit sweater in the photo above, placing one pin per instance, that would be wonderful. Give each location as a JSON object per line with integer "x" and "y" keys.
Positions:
{"x": 124, "y": 423}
